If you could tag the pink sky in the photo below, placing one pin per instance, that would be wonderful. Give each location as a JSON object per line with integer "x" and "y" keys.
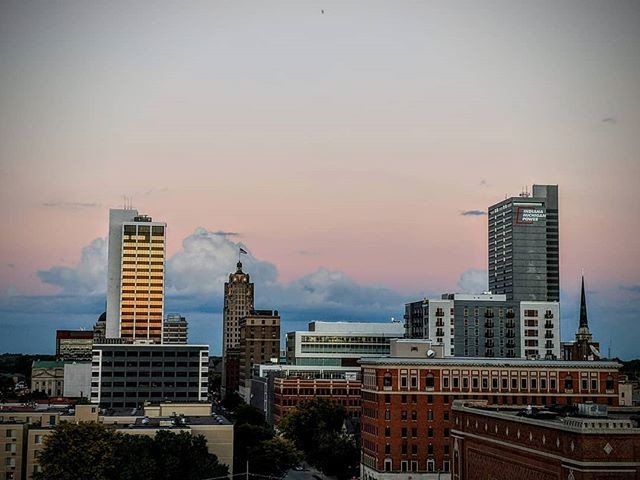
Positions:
{"x": 358, "y": 136}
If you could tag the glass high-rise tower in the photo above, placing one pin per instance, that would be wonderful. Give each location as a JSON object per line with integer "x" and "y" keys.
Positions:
{"x": 524, "y": 245}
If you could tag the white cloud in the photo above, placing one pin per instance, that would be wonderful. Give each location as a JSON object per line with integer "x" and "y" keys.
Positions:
{"x": 87, "y": 277}
{"x": 198, "y": 271}
{"x": 473, "y": 281}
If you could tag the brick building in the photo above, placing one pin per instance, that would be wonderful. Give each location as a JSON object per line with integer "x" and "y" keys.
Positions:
{"x": 290, "y": 391}
{"x": 501, "y": 445}
{"x": 259, "y": 343}
{"x": 406, "y": 403}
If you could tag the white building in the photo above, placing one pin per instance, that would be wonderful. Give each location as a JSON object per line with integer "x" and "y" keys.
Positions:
{"x": 341, "y": 343}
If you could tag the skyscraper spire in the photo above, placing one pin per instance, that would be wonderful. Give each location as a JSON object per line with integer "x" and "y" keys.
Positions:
{"x": 583, "y": 308}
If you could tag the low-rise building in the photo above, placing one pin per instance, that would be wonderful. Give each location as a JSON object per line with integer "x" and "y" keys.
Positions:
{"x": 341, "y": 344}
{"x": 128, "y": 375}
{"x": 47, "y": 376}
{"x": 74, "y": 345}
{"x": 491, "y": 442}
{"x": 23, "y": 430}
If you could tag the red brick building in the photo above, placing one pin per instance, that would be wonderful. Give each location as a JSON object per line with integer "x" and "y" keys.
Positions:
{"x": 290, "y": 391}
{"x": 406, "y": 419}
{"x": 503, "y": 446}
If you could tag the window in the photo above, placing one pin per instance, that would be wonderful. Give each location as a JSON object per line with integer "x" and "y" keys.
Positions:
{"x": 585, "y": 384}
{"x": 414, "y": 415}
{"x": 387, "y": 414}
{"x": 446, "y": 432}
{"x": 431, "y": 465}
{"x": 430, "y": 432}
{"x": 403, "y": 415}
{"x": 609, "y": 383}
{"x": 430, "y": 415}
{"x": 387, "y": 449}
{"x": 387, "y": 431}
{"x": 594, "y": 384}
{"x": 387, "y": 379}
{"x": 404, "y": 432}
{"x": 388, "y": 465}
{"x": 429, "y": 383}
{"x": 430, "y": 449}
{"x": 568, "y": 382}
{"x": 445, "y": 382}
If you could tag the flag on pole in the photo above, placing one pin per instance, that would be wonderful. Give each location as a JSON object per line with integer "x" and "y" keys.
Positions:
{"x": 242, "y": 250}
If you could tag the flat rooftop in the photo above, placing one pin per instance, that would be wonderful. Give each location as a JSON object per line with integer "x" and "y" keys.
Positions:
{"x": 614, "y": 422}
{"x": 490, "y": 362}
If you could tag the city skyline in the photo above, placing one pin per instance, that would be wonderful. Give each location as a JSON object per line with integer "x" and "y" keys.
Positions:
{"x": 351, "y": 163}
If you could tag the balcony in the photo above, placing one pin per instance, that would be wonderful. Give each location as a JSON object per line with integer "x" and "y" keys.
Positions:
{"x": 488, "y": 314}
{"x": 510, "y": 315}
{"x": 548, "y": 315}
{"x": 489, "y": 344}
{"x": 510, "y": 334}
{"x": 548, "y": 345}
{"x": 511, "y": 344}
{"x": 439, "y": 313}
{"x": 488, "y": 334}
{"x": 548, "y": 335}
{"x": 510, "y": 324}
{"x": 548, "y": 325}
{"x": 439, "y": 333}
{"x": 439, "y": 323}
{"x": 488, "y": 324}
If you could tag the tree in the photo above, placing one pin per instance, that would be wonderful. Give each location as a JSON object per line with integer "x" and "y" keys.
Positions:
{"x": 97, "y": 452}
{"x": 254, "y": 440}
{"x": 72, "y": 452}
{"x": 310, "y": 420}
{"x": 274, "y": 457}
{"x": 315, "y": 427}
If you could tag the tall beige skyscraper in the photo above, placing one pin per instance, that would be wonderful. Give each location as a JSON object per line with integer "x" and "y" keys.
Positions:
{"x": 135, "y": 271}
{"x": 238, "y": 303}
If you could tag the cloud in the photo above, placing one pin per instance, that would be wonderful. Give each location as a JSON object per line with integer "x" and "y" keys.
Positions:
{"x": 205, "y": 261}
{"x": 473, "y": 213}
{"x": 87, "y": 277}
{"x": 473, "y": 281}
{"x": 610, "y": 120}
{"x": 70, "y": 205}
{"x": 226, "y": 234}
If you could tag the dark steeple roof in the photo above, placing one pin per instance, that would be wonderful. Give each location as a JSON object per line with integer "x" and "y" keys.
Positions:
{"x": 583, "y": 308}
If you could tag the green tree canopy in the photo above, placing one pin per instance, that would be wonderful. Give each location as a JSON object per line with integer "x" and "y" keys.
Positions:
{"x": 97, "y": 452}
{"x": 315, "y": 427}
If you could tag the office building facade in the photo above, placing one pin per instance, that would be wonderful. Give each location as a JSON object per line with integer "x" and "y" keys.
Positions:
{"x": 341, "y": 343}
{"x": 74, "y": 345}
{"x": 486, "y": 325}
{"x": 135, "y": 277}
{"x": 129, "y": 375}
{"x": 259, "y": 343}
{"x": 175, "y": 329}
{"x": 524, "y": 246}
{"x": 406, "y": 416}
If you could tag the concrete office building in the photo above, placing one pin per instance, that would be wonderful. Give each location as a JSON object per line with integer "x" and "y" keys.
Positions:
{"x": 129, "y": 375}
{"x": 74, "y": 345}
{"x": 407, "y": 419}
{"x": 524, "y": 246}
{"x": 341, "y": 343}
{"x": 259, "y": 343}
{"x": 135, "y": 277}
{"x": 175, "y": 329}
{"x": 486, "y": 325}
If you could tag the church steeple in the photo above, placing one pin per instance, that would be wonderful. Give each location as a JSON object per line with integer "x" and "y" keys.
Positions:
{"x": 583, "y": 308}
